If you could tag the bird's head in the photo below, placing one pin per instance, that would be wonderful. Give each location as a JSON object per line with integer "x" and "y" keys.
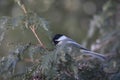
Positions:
{"x": 59, "y": 38}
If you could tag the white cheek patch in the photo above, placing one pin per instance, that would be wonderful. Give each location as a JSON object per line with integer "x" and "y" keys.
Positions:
{"x": 62, "y": 38}
{"x": 59, "y": 43}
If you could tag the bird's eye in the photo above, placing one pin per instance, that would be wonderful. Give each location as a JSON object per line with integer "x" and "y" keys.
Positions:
{"x": 56, "y": 42}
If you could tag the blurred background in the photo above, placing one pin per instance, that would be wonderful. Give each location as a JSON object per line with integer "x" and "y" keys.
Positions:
{"x": 69, "y": 17}
{"x": 85, "y": 21}
{"x": 93, "y": 23}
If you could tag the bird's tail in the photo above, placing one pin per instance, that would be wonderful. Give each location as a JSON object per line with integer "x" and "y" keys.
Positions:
{"x": 94, "y": 54}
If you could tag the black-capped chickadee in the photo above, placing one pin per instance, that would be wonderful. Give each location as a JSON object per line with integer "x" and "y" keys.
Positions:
{"x": 73, "y": 47}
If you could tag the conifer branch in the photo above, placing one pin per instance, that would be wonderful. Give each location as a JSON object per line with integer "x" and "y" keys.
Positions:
{"x": 32, "y": 26}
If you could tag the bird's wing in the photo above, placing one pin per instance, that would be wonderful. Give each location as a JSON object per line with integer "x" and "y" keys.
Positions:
{"x": 86, "y": 51}
{"x": 77, "y": 45}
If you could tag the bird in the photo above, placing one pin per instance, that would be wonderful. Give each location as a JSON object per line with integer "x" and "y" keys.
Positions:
{"x": 73, "y": 47}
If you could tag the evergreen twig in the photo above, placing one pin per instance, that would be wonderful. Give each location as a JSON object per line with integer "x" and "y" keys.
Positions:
{"x": 32, "y": 26}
